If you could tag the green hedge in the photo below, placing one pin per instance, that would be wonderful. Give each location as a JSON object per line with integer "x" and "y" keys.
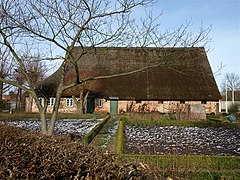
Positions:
{"x": 89, "y": 137}
{"x": 207, "y": 123}
{"x": 23, "y": 115}
{"x": 119, "y": 139}
{"x": 188, "y": 166}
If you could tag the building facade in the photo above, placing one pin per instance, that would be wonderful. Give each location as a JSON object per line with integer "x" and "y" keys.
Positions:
{"x": 140, "y": 80}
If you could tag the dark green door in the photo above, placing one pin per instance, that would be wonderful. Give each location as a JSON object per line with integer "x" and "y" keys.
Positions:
{"x": 90, "y": 104}
{"x": 113, "y": 106}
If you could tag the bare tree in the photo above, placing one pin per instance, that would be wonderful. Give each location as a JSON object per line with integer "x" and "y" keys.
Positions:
{"x": 230, "y": 83}
{"x": 19, "y": 79}
{"x": 82, "y": 90}
{"x": 57, "y": 26}
{"x": 37, "y": 70}
{"x": 6, "y": 63}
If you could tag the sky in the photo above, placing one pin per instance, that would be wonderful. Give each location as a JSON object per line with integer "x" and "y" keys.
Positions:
{"x": 222, "y": 15}
{"x": 224, "y": 18}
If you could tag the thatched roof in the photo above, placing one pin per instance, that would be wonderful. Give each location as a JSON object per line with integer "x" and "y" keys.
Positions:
{"x": 183, "y": 74}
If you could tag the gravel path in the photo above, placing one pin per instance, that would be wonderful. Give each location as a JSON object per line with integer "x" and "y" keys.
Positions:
{"x": 182, "y": 140}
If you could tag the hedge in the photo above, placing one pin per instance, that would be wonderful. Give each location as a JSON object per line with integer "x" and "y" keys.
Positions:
{"x": 119, "y": 139}
{"x": 89, "y": 137}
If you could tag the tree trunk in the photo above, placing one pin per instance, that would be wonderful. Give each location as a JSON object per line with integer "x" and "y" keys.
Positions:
{"x": 50, "y": 130}
{"x": 85, "y": 102}
{"x": 43, "y": 122}
{"x": 1, "y": 90}
{"x": 30, "y": 104}
{"x": 79, "y": 103}
{"x": 81, "y": 100}
{"x": 18, "y": 103}
{"x": 55, "y": 112}
{"x": 42, "y": 112}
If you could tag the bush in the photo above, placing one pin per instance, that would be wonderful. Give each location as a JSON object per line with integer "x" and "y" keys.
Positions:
{"x": 3, "y": 105}
{"x": 89, "y": 137}
{"x": 119, "y": 139}
{"x": 233, "y": 109}
{"x": 31, "y": 155}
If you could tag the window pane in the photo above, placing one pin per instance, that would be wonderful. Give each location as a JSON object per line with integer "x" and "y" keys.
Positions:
{"x": 69, "y": 102}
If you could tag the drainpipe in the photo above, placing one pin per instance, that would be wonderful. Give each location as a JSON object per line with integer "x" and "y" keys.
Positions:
{"x": 233, "y": 95}
{"x": 219, "y": 106}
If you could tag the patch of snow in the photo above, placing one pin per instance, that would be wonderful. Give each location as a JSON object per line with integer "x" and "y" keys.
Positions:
{"x": 181, "y": 140}
{"x": 79, "y": 127}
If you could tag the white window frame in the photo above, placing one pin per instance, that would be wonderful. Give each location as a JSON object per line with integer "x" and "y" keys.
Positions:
{"x": 51, "y": 102}
{"x": 100, "y": 103}
{"x": 69, "y": 102}
{"x": 41, "y": 101}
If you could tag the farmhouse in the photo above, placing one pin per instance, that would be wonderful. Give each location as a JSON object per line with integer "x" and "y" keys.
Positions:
{"x": 175, "y": 80}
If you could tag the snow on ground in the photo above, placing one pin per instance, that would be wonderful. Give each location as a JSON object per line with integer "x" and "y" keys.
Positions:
{"x": 182, "y": 140}
{"x": 156, "y": 139}
{"x": 79, "y": 127}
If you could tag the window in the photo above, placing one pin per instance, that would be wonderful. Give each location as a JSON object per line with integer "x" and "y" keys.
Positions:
{"x": 160, "y": 102}
{"x": 51, "y": 101}
{"x": 41, "y": 101}
{"x": 182, "y": 102}
{"x": 204, "y": 102}
{"x": 69, "y": 102}
{"x": 100, "y": 102}
{"x": 138, "y": 101}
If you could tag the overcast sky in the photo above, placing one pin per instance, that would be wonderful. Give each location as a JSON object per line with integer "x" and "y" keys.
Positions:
{"x": 222, "y": 15}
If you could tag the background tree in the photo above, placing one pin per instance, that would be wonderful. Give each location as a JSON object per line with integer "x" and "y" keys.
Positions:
{"x": 37, "y": 70}
{"x": 57, "y": 26}
{"x": 19, "y": 79}
{"x": 230, "y": 83}
{"x": 6, "y": 64}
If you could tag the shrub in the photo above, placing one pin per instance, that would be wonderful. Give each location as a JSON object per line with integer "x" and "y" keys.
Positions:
{"x": 89, "y": 137}
{"x": 3, "y": 105}
{"x": 31, "y": 155}
{"x": 119, "y": 139}
{"x": 233, "y": 109}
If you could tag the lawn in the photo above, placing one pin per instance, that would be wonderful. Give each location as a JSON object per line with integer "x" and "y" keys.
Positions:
{"x": 23, "y": 115}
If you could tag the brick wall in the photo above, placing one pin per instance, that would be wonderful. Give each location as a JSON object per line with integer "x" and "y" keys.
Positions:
{"x": 134, "y": 106}
{"x": 149, "y": 106}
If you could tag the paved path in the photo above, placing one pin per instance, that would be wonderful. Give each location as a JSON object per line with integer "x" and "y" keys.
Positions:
{"x": 106, "y": 137}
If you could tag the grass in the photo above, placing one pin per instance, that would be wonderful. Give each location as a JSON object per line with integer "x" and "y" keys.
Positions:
{"x": 214, "y": 163}
{"x": 186, "y": 166}
{"x": 156, "y": 122}
{"x": 23, "y": 115}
